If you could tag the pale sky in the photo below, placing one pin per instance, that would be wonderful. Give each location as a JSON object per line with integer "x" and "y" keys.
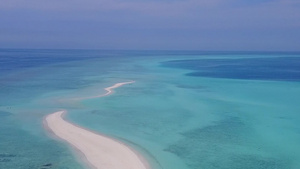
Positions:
{"x": 234, "y": 25}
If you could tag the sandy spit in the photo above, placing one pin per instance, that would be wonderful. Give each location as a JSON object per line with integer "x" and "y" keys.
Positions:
{"x": 99, "y": 151}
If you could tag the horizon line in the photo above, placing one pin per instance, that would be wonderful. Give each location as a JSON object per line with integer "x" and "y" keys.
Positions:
{"x": 160, "y": 50}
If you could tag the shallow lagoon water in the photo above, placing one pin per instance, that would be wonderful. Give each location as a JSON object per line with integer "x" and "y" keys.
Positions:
{"x": 178, "y": 120}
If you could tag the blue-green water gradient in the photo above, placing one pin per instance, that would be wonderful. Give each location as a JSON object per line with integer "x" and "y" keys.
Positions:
{"x": 186, "y": 110}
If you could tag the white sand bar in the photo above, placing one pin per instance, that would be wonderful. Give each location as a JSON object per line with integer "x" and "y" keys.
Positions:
{"x": 109, "y": 90}
{"x": 101, "y": 152}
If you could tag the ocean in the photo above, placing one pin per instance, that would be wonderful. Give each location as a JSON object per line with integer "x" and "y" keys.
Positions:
{"x": 186, "y": 109}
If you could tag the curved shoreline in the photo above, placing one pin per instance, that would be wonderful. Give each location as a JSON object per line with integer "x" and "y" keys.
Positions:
{"x": 100, "y": 151}
{"x": 109, "y": 90}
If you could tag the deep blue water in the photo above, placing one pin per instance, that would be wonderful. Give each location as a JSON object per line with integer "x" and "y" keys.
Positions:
{"x": 274, "y": 68}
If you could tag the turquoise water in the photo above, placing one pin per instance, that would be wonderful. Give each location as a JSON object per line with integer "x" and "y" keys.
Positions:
{"x": 186, "y": 110}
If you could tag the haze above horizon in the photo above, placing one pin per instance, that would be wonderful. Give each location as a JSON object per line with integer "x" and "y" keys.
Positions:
{"x": 209, "y": 25}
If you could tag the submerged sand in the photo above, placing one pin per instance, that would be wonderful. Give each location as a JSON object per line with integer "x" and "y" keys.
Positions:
{"x": 100, "y": 151}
